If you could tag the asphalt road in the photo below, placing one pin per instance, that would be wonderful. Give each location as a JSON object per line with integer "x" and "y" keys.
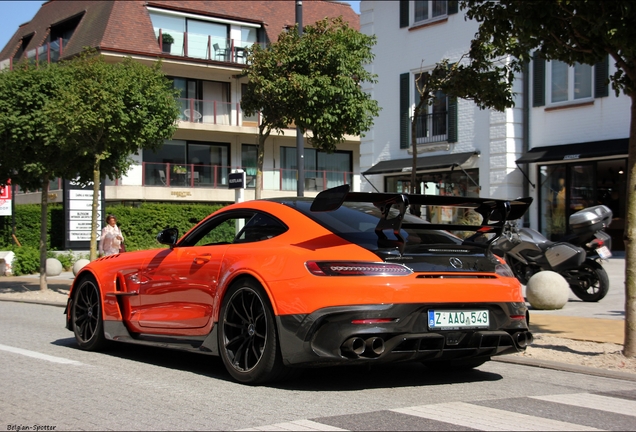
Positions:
{"x": 46, "y": 381}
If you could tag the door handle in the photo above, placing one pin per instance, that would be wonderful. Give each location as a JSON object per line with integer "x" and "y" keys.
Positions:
{"x": 202, "y": 259}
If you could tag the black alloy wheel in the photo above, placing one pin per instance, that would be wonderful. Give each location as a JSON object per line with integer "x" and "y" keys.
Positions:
{"x": 248, "y": 342}
{"x": 86, "y": 316}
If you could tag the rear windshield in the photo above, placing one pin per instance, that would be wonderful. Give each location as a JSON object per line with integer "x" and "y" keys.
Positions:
{"x": 356, "y": 223}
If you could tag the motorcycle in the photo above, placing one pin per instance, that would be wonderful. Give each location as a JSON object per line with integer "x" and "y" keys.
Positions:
{"x": 577, "y": 257}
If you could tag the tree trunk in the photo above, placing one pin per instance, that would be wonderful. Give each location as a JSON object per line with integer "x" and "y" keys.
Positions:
{"x": 260, "y": 156}
{"x": 629, "y": 349}
{"x": 43, "y": 231}
{"x": 94, "y": 206}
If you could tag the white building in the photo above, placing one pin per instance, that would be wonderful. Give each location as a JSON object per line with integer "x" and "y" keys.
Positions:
{"x": 564, "y": 143}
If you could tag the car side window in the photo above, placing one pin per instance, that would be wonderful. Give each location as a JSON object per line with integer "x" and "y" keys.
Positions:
{"x": 236, "y": 227}
{"x": 260, "y": 227}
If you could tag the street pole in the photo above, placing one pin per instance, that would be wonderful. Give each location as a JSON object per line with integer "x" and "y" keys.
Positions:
{"x": 300, "y": 148}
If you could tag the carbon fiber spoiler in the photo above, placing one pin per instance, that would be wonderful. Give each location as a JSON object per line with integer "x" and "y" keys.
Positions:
{"x": 494, "y": 212}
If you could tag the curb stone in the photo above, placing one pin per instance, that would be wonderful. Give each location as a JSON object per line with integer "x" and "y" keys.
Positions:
{"x": 566, "y": 367}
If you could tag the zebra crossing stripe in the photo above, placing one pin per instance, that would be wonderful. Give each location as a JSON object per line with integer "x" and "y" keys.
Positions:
{"x": 489, "y": 419}
{"x": 297, "y": 425}
{"x": 592, "y": 401}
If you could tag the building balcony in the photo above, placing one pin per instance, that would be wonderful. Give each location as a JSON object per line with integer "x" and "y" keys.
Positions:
{"x": 203, "y": 46}
{"x": 432, "y": 128}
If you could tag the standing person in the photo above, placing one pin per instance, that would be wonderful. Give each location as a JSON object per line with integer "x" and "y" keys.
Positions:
{"x": 112, "y": 238}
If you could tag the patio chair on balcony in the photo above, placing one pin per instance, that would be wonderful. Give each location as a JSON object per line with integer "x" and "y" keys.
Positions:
{"x": 221, "y": 53}
{"x": 192, "y": 115}
{"x": 162, "y": 176}
{"x": 195, "y": 176}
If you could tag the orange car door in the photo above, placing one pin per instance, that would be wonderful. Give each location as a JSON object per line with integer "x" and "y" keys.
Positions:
{"x": 178, "y": 288}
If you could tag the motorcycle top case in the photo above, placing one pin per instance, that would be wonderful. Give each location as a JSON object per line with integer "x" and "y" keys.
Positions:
{"x": 590, "y": 219}
{"x": 564, "y": 256}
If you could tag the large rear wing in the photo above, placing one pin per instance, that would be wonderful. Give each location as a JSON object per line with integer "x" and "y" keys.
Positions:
{"x": 494, "y": 212}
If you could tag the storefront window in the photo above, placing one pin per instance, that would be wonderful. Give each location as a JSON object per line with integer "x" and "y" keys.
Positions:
{"x": 568, "y": 188}
{"x": 553, "y": 198}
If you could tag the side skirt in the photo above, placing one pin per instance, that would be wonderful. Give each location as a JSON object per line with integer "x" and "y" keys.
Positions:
{"x": 117, "y": 331}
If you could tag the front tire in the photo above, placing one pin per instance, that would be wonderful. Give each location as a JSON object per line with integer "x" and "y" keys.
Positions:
{"x": 522, "y": 272}
{"x": 248, "y": 342}
{"x": 86, "y": 316}
{"x": 589, "y": 282}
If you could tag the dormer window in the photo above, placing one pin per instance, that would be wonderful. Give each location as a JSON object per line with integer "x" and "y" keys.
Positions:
{"x": 26, "y": 40}
{"x": 64, "y": 29}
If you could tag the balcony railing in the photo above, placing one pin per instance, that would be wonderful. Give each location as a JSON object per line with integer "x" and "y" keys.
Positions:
{"x": 216, "y": 176}
{"x": 50, "y": 52}
{"x": 203, "y": 46}
{"x": 432, "y": 127}
{"x": 214, "y": 112}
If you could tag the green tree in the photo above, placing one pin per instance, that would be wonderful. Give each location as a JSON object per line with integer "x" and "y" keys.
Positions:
{"x": 109, "y": 112}
{"x": 314, "y": 81}
{"x": 29, "y": 155}
{"x": 571, "y": 31}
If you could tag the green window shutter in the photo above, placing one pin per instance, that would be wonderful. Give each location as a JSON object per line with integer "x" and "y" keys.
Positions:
{"x": 405, "y": 103}
{"x": 452, "y": 120}
{"x": 404, "y": 13}
{"x": 601, "y": 76}
{"x": 452, "y": 7}
{"x": 538, "y": 80}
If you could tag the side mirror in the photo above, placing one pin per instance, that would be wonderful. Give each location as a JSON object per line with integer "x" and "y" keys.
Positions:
{"x": 169, "y": 236}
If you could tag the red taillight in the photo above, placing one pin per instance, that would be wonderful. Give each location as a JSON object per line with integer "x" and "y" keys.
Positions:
{"x": 373, "y": 321}
{"x": 517, "y": 317}
{"x": 355, "y": 268}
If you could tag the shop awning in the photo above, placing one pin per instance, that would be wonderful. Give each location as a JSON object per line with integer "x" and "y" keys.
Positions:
{"x": 423, "y": 163}
{"x": 569, "y": 152}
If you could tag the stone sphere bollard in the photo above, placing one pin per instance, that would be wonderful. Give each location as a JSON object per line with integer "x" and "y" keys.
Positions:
{"x": 547, "y": 290}
{"x": 78, "y": 265}
{"x": 53, "y": 267}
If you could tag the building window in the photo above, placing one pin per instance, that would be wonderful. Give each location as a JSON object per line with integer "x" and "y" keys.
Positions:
{"x": 428, "y": 9}
{"x": 437, "y": 124}
{"x": 249, "y": 163}
{"x": 186, "y": 163}
{"x": 420, "y": 12}
{"x": 433, "y": 122}
{"x": 570, "y": 83}
{"x": 556, "y": 82}
{"x": 322, "y": 170}
{"x": 26, "y": 40}
{"x": 204, "y": 101}
{"x": 568, "y": 188}
{"x": 64, "y": 30}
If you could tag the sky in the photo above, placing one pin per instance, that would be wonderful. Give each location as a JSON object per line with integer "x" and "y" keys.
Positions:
{"x": 13, "y": 13}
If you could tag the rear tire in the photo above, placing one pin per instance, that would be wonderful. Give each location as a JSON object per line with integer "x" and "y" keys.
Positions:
{"x": 248, "y": 341}
{"x": 589, "y": 282}
{"x": 86, "y": 316}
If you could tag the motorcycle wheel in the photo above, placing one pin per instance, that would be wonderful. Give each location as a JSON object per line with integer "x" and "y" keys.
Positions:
{"x": 521, "y": 271}
{"x": 589, "y": 282}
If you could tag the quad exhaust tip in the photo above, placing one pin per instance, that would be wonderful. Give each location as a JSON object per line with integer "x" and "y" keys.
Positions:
{"x": 523, "y": 339}
{"x": 357, "y": 347}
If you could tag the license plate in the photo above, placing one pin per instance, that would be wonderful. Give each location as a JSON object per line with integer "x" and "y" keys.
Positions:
{"x": 456, "y": 319}
{"x": 604, "y": 252}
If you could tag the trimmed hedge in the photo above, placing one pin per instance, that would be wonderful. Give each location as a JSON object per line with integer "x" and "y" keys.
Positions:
{"x": 139, "y": 224}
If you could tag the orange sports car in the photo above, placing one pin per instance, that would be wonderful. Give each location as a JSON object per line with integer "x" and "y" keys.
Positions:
{"x": 346, "y": 278}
